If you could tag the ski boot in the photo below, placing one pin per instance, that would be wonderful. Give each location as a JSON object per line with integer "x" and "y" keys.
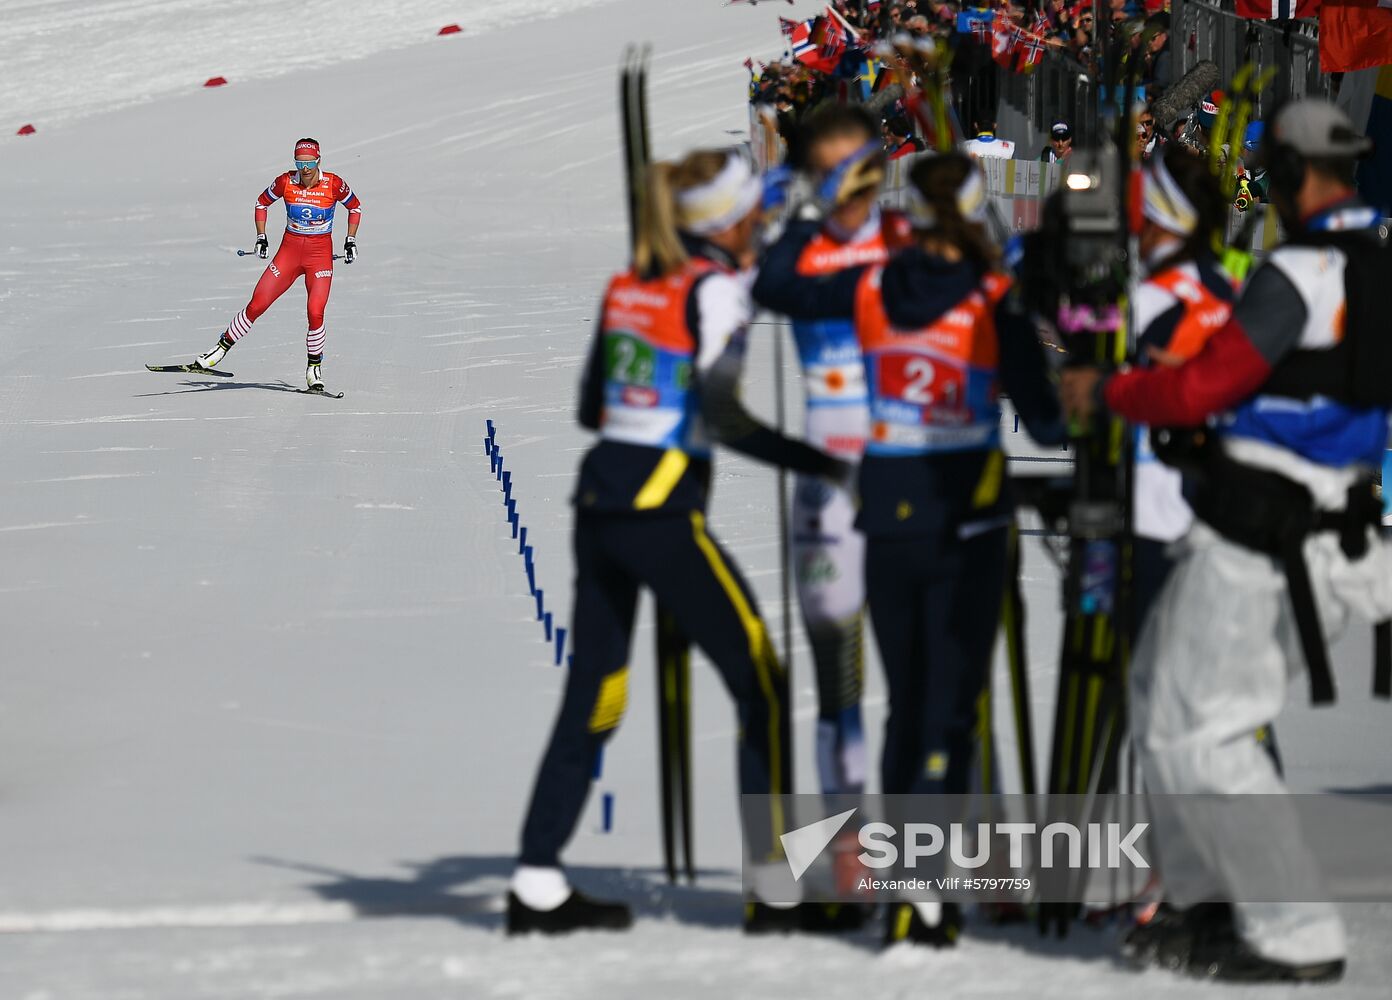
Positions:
{"x": 761, "y": 918}
{"x": 833, "y": 918}
{"x": 311, "y": 376}
{"x": 1170, "y": 937}
{"x": 211, "y": 359}
{"x": 577, "y": 913}
{"x": 1232, "y": 960}
{"x": 937, "y": 925}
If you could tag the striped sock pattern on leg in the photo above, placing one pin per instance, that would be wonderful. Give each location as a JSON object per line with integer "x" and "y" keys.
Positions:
{"x": 314, "y": 341}
{"x": 239, "y": 327}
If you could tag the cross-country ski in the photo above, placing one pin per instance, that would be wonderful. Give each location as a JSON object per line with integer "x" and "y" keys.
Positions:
{"x": 194, "y": 369}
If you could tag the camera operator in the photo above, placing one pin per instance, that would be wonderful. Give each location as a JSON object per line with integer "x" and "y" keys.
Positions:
{"x": 1286, "y": 534}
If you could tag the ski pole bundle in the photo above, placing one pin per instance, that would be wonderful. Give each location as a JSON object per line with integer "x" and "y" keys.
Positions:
{"x": 673, "y": 646}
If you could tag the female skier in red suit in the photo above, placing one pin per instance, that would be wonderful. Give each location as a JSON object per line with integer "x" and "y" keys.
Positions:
{"x": 311, "y": 195}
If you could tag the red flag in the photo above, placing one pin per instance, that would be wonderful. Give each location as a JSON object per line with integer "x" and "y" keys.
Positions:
{"x": 834, "y": 41}
{"x": 1029, "y": 45}
{"x": 1003, "y": 34}
{"x": 812, "y": 48}
{"x": 1355, "y": 34}
{"x": 1276, "y": 10}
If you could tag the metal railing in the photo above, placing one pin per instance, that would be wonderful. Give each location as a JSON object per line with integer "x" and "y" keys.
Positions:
{"x": 1199, "y": 29}
{"x": 1060, "y": 88}
{"x": 1212, "y": 29}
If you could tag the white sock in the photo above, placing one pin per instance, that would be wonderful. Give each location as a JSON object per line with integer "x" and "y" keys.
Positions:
{"x": 540, "y": 888}
{"x": 774, "y": 886}
{"x": 931, "y": 913}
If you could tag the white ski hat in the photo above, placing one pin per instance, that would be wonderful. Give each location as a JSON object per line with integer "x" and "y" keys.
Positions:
{"x": 722, "y": 201}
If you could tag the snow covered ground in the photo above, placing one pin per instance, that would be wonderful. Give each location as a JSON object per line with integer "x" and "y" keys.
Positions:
{"x": 271, "y": 691}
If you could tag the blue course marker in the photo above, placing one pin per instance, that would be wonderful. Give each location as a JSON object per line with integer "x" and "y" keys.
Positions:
{"x": 507, "y": 485}
{"x": 531, "y": 576}
{"x": 560, "y": 643}
{"x": 522, "y": 543}
{"x": 598, "y": 763}
{"x": 487, "y": 446}
{"x": 546, "y": 621}
{"x": 608, "y": 805}
{"x": 540, "y": 607}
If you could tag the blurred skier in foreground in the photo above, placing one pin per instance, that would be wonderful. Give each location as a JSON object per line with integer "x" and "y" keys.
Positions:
{"x": 940, "y": 335}
{"x": 661, "y": 383}
{"x": 839, "y": 149}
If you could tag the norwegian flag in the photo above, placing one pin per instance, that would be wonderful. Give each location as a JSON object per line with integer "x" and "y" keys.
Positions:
{"x": 818, "y": 44}
{"x": 834, "y": 39}
{"x": 1003, "y": 35}
{"x": 1277, "y": 10}
{"x": 799, "y": 35}
{"x": 1029, "y": 45}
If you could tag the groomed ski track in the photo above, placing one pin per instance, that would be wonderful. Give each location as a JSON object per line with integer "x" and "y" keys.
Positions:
{"x": 271, "y": 687}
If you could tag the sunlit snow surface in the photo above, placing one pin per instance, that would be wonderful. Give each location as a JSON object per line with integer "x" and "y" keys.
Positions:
{"x": 271, "y": 691}
{"x": 65, "y": 58}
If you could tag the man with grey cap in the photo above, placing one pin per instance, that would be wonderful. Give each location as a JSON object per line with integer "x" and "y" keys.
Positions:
{"x": 1278, "y": 422}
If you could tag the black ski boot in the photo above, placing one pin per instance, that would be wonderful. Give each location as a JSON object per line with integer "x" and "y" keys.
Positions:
{"x": 1169, "y": 938}
{"x": 578, "y": 913}
{"x": 833, "y": 918}
{"x": 807, "y": 918}
{"x": 905, "y": 923}
{"x": 760, "y": 918}
{"x": 1234, "y": 961}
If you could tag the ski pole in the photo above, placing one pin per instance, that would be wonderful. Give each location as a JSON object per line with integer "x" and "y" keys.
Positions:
{"x": 249, "y": 253}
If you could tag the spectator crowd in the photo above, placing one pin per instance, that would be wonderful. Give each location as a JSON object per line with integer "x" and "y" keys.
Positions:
{"x": 838, "y": 56}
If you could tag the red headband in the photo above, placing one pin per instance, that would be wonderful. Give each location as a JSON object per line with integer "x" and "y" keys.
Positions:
{"x": 307, "y": 147}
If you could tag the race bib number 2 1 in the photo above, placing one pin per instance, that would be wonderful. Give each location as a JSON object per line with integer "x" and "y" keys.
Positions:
{"x": 919, "y": 380}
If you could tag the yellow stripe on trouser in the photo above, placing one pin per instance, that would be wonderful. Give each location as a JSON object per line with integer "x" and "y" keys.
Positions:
{"x": 663, "y": 480}
{"x": 761, "y": 652}
{"x": 902, "y": 921}
{"x": 613, "y": 699}
{"x": 988, "y": 487}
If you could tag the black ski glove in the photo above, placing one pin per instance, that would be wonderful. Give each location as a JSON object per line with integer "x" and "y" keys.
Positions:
{"x": 350, "y": 249}
{"x": 262, "y": 245}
